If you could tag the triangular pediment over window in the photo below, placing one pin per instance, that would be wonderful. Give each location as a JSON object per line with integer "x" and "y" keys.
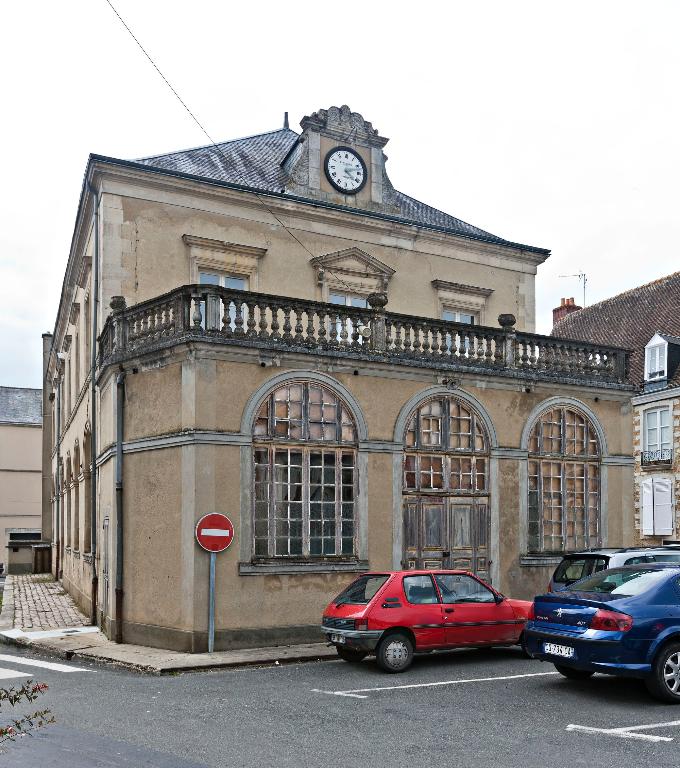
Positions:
{"x": 355, "y": 265}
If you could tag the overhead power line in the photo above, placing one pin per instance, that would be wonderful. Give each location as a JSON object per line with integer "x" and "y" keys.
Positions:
{"x": 218, "y": 148}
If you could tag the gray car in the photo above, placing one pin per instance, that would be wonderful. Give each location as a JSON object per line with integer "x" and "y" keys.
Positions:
{"x": 578, "y": 565}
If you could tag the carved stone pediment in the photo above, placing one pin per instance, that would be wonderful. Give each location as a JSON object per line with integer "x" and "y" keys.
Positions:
{"x": 353, "y": 263}
{"x": 344, "y": 125}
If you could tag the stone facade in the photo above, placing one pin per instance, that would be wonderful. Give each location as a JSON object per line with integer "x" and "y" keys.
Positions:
{"x": 222, "y": 347}
{"x": 670, "y": 470}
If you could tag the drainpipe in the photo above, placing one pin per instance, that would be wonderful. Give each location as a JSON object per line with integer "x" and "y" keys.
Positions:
{"x": 57, "y": 521}
{"x": 93, "y": 409}
{"x": 120, "y": 402}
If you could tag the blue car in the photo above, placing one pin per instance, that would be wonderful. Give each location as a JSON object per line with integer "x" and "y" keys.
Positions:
{"x": 621, "y": 621}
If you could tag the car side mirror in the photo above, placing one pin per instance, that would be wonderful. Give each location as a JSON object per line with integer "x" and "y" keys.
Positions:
{"x": 498, "y": 598}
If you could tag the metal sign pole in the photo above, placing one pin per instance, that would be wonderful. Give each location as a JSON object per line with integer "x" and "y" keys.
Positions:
{"x": 211, "y": 607}
{"x": 214, "y": 532}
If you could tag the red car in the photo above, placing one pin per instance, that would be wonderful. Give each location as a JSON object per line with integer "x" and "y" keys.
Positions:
{"x": 399, "y": 613}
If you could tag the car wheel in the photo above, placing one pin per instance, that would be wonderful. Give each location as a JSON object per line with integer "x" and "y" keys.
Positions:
{"x": 523, "y": 646}
{"x": 347, "y": 654}
{"x": 573, "y": 674}
{"x": 395, "y": 653}
{"x": 664, "y": 682}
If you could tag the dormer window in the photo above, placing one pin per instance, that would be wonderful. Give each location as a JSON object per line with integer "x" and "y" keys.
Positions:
{"x": 655, "y": 358}
{"x": 656, "y": 362}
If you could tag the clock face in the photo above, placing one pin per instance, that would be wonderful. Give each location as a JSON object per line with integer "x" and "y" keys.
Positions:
{"x": 345, "y": 170}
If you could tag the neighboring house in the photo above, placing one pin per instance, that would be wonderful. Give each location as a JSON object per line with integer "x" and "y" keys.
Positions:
{"x": 351, "y": 375}
{"x": 647, "y": 320}
{"x": 657, "y": 441}
{"x": 20, "y": 476}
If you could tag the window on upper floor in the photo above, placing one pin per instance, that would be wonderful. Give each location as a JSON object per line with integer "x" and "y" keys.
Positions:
{"x": 460, "y": 316}
{"x": 657, "y": 429}
{"x": 655, "y": 362}
{"x": 214, "y": 307}
{"x": 348, "y": 299}
{"x": 226, "y": 280}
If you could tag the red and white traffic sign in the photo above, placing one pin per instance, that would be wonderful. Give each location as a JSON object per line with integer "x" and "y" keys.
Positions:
{"x": 214, "y": 532}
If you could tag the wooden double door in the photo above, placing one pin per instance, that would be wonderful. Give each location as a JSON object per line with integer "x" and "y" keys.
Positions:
{"x": 447, "y": 532}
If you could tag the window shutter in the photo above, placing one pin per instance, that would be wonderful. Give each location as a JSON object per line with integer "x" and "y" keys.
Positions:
{"x": 647, "y": 498}
{"x": 663, "y": 506}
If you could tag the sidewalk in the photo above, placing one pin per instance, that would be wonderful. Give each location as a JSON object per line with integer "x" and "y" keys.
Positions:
{"x": 37, "y": 613}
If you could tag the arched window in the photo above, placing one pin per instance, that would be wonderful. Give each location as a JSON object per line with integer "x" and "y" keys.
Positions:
{"x": 68, "y": 491}
{"x": 87, "y": 492}
{"x": 446, "y": 487}
{"x": 305, "y": 474}
{"x": 76, "y": 496}
{"x": 564, "y": 482}
{"x": 446, "y": 449}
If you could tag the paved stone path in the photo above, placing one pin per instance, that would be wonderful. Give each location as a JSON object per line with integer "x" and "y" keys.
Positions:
{"x": 41, "y": 603}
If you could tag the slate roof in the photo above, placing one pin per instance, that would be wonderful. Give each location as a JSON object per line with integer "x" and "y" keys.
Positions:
{"x": 629, "y": 320}
{"x": 19, "y": 405}
{"x": 256, "y": 162}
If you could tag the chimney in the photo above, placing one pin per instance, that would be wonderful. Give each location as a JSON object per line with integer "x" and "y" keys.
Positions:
{"x": 567, "y": 306}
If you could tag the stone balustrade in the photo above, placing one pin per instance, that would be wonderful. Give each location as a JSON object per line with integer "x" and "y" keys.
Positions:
{"x": 220, "y": 315}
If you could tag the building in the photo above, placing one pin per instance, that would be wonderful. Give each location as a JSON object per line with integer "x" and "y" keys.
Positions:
{"x": 647, "y": 320}
{"x": 657, "y": 439}
{"x": 349, "y": 374}
{"x": 20, "y": 476}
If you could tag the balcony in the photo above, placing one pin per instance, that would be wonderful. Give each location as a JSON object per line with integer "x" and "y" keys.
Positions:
{"x": 222, "y": 316}
{"x": 660, "y": 458}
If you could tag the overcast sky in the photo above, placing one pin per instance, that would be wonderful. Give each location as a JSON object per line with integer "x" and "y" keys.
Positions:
{"x": 549, "y": 123}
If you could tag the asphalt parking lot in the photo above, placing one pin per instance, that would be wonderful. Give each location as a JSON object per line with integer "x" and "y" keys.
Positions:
{"x": 463, "y": 708}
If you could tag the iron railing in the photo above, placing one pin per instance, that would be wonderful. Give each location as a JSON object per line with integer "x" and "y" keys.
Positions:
{"x": 662, "y": 457}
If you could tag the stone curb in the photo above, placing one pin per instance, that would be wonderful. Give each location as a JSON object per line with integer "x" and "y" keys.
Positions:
{"x": 96, "y": 647}
{"x": 136, "y": 658}
{"x": 7, "y": 613}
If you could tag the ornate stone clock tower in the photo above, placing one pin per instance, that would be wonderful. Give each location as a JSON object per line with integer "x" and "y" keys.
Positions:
{"x": 339, "y": 158}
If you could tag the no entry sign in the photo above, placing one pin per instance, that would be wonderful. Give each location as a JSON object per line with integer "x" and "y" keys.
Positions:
{"x": 214, "y": 532}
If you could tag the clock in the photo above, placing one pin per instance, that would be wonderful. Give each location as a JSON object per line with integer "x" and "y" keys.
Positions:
{"x": 345, "y": 170}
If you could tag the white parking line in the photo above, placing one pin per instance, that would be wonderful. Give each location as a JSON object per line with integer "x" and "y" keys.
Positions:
{"x": 6, "y": 674}
{"x": 358, "y": 693}
{"x": 629, "y": 732}
{"x": 42, "y": 664}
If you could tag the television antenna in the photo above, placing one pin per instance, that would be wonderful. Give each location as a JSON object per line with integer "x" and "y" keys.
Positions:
{"x": 581, "y": 276}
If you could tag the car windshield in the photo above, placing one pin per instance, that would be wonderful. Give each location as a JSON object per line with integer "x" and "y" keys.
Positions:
{"x": 362, "y": 590}
{"x": 623, "y": 582}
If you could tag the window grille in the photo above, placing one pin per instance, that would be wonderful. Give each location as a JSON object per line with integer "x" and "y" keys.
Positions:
{"x": 446, "y": 449}
{"x": 563, "y": 483}
{"x": 305, "y": 475}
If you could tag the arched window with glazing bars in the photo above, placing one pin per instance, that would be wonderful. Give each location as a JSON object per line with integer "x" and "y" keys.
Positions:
{"x": 564, "y": 482}
{"x": 446, "y": 449}
{"x": 305, "y": 475}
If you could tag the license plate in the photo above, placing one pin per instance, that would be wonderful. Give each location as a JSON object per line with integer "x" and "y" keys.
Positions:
{"x": 565, "y": 651}
{"x": 339, "y": 639}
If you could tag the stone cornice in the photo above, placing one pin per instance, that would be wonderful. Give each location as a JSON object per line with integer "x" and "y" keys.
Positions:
{"x": 659, "y": 395}
{"x": 222, "y": 246}
{"x": 473, "y": 290}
